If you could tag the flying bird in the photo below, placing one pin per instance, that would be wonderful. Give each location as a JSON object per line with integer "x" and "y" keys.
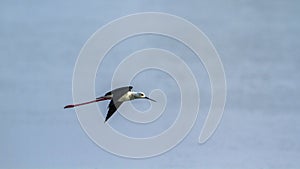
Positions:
{"x": 116, "y": 97}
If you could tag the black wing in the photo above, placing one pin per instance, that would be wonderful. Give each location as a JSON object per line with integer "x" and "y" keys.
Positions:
{"x": 121, "y": 90}
{"x": 112, "y": 108}
{"x": 114, "y": 104}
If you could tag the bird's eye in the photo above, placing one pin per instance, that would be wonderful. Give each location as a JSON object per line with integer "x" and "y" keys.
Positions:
{"x": 142, "y": 94}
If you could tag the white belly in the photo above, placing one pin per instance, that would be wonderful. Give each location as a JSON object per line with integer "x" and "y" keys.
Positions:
{"x": 125, "y": 97}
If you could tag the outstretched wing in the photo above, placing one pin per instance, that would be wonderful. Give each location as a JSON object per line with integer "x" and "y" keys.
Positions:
{"x": 112, "y": 108}
{"x": 121, "y": 90}
{"x": 116, "y": 95}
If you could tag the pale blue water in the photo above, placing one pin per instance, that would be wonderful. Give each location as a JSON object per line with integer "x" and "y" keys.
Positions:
{"x": 258, "y": 42}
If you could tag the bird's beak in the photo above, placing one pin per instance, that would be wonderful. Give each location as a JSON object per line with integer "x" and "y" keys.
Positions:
{"x": 150, "y": 99}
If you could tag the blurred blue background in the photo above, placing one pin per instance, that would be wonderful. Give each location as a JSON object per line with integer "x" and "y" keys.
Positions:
{"x": 258, "y": 42}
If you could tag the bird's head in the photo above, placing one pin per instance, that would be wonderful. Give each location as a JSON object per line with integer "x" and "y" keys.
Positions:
{"x": 141, "y": 95}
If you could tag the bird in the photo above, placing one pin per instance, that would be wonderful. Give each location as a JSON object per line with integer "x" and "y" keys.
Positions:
{"x": 116, "y": 97}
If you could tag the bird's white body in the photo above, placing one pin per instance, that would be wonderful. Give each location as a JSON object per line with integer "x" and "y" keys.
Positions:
{"x": 127, "y": 97}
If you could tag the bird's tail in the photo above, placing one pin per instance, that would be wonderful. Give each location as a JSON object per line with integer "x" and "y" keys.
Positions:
{"x": 93, "y": 101}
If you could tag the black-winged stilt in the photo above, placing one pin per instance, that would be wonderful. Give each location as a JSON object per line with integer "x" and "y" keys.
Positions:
{"x": 117, "y": 97}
